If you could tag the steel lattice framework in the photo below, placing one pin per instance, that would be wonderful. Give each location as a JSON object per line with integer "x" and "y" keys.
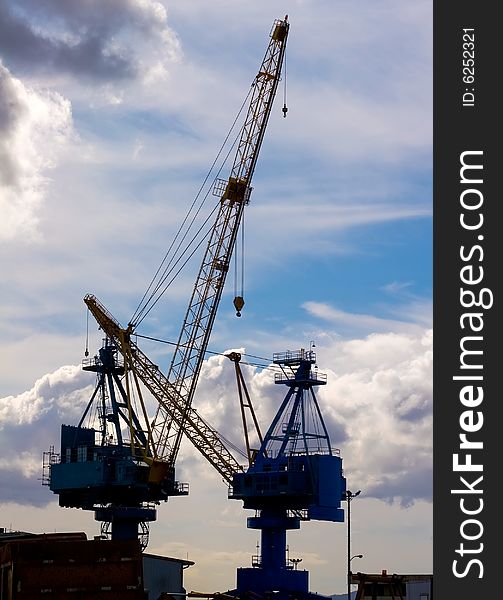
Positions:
{"x": 174, "y": 393}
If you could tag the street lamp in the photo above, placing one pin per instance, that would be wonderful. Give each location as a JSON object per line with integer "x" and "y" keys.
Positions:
{"x": 349, "y": 573}
{"x": 349, "y": 496}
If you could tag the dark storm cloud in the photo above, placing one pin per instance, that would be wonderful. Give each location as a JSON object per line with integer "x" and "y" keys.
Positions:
{"x": 72, "y": 36}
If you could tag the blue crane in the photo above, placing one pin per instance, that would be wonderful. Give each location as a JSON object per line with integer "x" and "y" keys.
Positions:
{"x": 105, "y": 467}
{"x": 294, "y": 476}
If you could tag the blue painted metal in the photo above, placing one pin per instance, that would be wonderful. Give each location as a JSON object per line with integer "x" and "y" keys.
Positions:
{"x": 295, "y": 475}
{"x": 89, "y": 474}
{"x": 98, "y": 468}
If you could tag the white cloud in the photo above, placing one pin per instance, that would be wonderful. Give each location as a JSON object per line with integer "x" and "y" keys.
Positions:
{"x": 35, "y": 126}
{"x": 414, "y": 318}
{"x": 30, "y": 423}
{"x": 397, "y": 287}
{"x": 60, "y": 393}
{"x": 380, "y": 399}
{"x": 377, "y": 404}
{"x": 334, "y": 216}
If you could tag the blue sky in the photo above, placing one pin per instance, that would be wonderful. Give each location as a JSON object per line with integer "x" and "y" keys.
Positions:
{"x": 111, "y": 113}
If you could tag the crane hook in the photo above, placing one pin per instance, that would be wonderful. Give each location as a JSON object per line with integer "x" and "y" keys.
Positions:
{"x": 285, "y": 110}
{"x": 238, "y": 305}
{"x": 86, "y": 353}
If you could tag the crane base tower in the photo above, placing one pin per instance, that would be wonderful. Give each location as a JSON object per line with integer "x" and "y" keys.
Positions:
{"x": 295, "y": 476}
{"x": 100, "y": 469}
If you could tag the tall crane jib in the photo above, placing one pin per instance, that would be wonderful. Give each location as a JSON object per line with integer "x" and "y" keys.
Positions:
{"x": 121, "y": 475}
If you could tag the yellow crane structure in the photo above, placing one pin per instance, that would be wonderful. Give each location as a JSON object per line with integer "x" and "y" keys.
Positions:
{"x": 129, "y": 475}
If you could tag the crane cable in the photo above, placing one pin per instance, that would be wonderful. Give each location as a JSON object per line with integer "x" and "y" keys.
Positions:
{"x": 146, "y": 309}
{"x": 268, "y": 366}
{"x": 285, "y": 108}
{"x": 140, "y": 314}
{"x": 239, "y": 277}
{"x": 86, "y": 353}
{"x": 147, "y": 301}
{"x": 239, "y": 270}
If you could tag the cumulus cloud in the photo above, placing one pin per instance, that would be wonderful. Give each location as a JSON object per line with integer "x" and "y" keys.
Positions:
{"x": 30, "y": 424}
{"x": 34, "y": 127}
{"x": 97, "y": 39}
{"x": 377, "y": 405}
{"x": 381, "y": 398}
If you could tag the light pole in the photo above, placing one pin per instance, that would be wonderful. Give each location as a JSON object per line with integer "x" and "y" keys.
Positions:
{"x": 350, "y": 572}
{"x": 349, "y": 496}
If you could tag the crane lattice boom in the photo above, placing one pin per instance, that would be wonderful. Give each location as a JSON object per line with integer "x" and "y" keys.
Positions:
{"x": 120, "y": 478}
{"x": 174, "y": 392}
{"x": 198, "y": 323}
{"x": 199, "y": 432}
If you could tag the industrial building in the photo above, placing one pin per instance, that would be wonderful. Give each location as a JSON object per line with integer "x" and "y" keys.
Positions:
{"x": 383, "y": 586}
{"x": 68, "y": 566}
